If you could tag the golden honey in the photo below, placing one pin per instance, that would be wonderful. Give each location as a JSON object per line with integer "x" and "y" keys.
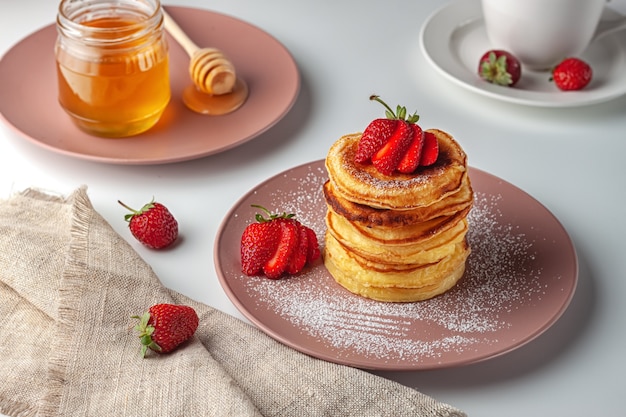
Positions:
{"x": 112, "y": 65}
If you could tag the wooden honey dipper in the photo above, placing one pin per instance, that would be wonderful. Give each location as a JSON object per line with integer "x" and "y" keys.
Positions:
{"x": 216, "y": 88}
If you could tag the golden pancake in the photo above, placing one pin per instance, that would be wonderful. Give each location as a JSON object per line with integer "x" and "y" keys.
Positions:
{"x": 396, "y": 295}
{"x": 363, "y": 184}
{"x": 358, "y": 286}
{"x": 371, "y": 216}
{"x": 427, "y": 251}
{"x": 383, "y": 275}
{"x": 412, "y": 234}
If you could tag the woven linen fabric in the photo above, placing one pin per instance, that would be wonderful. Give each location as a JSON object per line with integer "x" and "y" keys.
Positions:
{"x": 68, "y": 286}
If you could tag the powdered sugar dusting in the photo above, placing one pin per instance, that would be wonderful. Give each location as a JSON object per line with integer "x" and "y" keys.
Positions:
{"x": 501, "y": 276}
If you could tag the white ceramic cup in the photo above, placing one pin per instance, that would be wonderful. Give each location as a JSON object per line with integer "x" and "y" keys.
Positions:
{"x": 541, "y": 33}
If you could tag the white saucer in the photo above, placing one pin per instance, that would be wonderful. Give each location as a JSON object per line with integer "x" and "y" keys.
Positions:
{"x": 453, "y": 39}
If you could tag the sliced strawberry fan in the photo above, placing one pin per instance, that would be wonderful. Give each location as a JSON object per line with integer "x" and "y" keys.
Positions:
{"x": 397, "y": 143}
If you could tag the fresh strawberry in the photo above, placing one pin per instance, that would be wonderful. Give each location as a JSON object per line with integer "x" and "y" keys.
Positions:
{"x": 430, "y": 151}
{"x": 379, "y": 131}
{"x": 299, "y": 254}
{"x": 500, "y": 67}
{"x": 276, "y": 266}
{"x": 258, "y": 243}
{"x": 411, "y": 159}
{"x": 400, "y": 151}
{"x": 276, "y": 246}
{"x": 387, "y": 158}
{"x": 164, "y": 327}
{"x": 375, "y": 135}
{"x": 571, "y": 74}
{"x": 313, "y": 252}
{"x": 153, "y": 225}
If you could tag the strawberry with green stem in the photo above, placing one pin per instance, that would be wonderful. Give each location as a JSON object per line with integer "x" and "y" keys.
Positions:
{"x": 396, "y": 143}
{"x": 164, "y": 327}
{"x": 153, "y": 225}
{"x": 500, "y": 67}
{"x": 277, "y": 245}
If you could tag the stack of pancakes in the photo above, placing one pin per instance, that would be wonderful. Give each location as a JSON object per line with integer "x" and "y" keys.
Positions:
{"x": 397, "y": 238}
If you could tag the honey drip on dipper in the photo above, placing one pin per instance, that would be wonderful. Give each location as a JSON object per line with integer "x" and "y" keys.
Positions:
{"x": 216, "y": 89}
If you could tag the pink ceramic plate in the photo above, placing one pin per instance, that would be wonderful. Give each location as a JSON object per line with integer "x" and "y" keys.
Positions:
{"x": 29, "y": 96}
{"x": 520, "y": 278}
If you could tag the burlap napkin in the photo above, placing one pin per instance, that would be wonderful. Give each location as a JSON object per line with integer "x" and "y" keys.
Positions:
{"x": 68, "y": 284}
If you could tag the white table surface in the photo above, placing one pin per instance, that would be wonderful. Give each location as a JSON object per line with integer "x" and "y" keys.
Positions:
{"x": 572, "y": 160}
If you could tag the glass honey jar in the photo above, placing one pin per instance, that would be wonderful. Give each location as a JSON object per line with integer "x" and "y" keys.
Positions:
{"x": 112, "y": 65}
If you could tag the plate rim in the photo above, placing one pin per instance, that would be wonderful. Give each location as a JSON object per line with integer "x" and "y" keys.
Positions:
{"x": 236, "y": 300}
{"x": 183, "y": 155}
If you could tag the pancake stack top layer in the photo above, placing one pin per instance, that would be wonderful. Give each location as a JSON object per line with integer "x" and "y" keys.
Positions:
{"x": 401, "y": 237}
{"x": 363, "y": 184}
